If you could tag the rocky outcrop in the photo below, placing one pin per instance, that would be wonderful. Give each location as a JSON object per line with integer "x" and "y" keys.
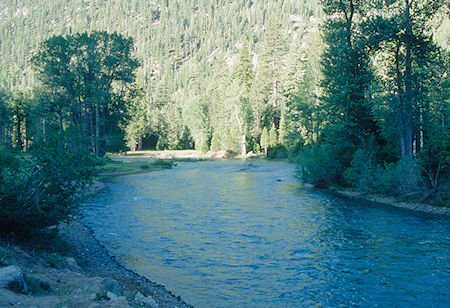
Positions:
{"x": 146, "y": 301}
{"x": 112, "y": 286}
{"x": 11, "y": 277}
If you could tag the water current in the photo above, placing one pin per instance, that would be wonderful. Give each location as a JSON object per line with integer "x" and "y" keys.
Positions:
{"x": 247, "y": 234}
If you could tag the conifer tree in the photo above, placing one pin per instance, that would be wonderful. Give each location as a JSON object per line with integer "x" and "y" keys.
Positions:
{"x": 347, "y": 78}
{"x": 244, "y": 71}
{"x": 273, "y": 136}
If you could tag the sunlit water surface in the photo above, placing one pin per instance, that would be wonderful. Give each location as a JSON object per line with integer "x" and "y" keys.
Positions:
{"x": 241, "y": 234}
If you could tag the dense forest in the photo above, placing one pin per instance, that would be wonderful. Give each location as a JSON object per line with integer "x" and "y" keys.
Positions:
{"x": 356, "y": 91}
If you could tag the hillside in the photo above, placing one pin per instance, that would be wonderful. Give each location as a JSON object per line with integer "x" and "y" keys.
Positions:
{"x": 167, "y": 34}
{"x": 273, "y": 76}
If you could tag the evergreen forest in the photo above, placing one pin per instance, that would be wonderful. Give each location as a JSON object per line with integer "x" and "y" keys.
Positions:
{"x": 355, "y": 91}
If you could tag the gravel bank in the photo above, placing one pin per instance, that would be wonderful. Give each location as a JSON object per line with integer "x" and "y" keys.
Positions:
{"x": 418, "y": 207}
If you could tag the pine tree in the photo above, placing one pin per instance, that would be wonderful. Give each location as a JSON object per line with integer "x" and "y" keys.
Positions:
{"x": 244, "y": 71}
{"x": 347, "y": 78}
{"x": 273, "y": 136}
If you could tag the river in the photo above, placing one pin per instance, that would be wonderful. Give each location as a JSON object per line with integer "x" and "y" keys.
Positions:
{"x": 247, "y": 234}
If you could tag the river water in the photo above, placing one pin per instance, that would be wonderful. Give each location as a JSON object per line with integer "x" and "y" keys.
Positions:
{"x": 247, "y": 234}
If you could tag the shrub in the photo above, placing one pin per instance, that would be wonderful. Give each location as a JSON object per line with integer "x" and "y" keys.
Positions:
{"x": 362, "y": 173}
{"x": 401, "y": 178}
{"x": 320, "y": 166}
{"x": 273, "y": 136}
{"x": 161, "y": 144}
{"x": 434, "y": 162}
{"x": 255, "y": 147}
{"x": 215, "y": 142}
{"x": 39, "y": 190}
{"x": 162, "y": 163}
{"x": 277, "y": 152}
{"x": 204, "y": 148}
{"x": 53, "y": 260}
{"x": 4, "y": 255}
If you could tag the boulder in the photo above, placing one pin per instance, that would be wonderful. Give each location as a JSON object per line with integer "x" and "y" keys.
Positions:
{"x": 11, "y": 277}
{"x": 147, "y": 301}
{"x": 44, "y": 284}
{"x": 111, "y": 296}
{"x": 111, "y": 285}
{"x": 72, "y": 264}
{"x": 120, "y": 302}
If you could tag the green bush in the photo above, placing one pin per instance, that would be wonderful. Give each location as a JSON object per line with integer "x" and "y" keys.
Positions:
{"x": 39, "y": 190}
{"x": 4, "y": 255}
{"x": 273, "y": 136}
{"x": 215, "y": 142}
{"x": 320, "y": 166}
{"x": 161, "y": 144}
{"x": 277, "y": 152}
{"x": 162, "y": 163}
{"x": 255, "y": 147}
{"x": 362, "y": 173}
{"x": 401, "y": 178}
{"x": 204, "y": 148}
{"x": 53, "y": 260}
{"x": 434, "y": 162}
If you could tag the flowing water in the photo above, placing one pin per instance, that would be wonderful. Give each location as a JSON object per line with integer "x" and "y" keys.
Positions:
{"x": 241, "y": 234}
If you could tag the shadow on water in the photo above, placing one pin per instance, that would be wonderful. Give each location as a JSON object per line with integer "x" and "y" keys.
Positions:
{"x": 234, "y": 233}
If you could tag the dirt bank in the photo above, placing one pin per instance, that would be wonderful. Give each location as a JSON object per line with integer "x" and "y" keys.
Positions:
{"x": 80, "y": 273}
{"x": 73, "y": 269}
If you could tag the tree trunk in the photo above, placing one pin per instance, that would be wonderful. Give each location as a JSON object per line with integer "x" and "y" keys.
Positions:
{"x": 140, "y": 142}
{"x": 19, "y": 129}
{"x": 408, "y": 87}
{"x": 103, "y": 133}
{"x": 97, "y": 131}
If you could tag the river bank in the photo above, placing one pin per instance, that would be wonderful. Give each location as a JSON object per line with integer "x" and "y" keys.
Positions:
{"x": 239, "y": 232}
{"x": 71, "y": 268}
{"x": 78, "y": 271}
{"x": 187, "y": 155}
{"x": 74, "y": 270}
{"x": 391, "y": 201}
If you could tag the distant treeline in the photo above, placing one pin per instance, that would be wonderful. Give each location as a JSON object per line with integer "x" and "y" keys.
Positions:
{"x": 357, "y": 89}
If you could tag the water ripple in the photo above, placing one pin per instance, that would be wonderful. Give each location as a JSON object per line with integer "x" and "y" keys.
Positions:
{"x": 230, "y": 234}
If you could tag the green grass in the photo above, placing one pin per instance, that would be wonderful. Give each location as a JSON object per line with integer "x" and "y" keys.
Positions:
{"x": 163, "y": 163}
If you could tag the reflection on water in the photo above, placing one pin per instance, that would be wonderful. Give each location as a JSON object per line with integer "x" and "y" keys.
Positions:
{"x": 231, "y": 233}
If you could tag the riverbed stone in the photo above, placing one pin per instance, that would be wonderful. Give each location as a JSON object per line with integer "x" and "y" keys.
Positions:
{"x": 111, "y": 285}
{"x": 111, "y": 296}
{"x": 72, "y": 263}
{"x": 44, "y": 284}
{"x": 120, "y": 302}
{"x": 11, "y": 277}
{"x": 148, "y": 301}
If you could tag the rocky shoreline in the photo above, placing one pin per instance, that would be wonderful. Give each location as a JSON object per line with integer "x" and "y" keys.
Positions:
{"x": 391, "y": 201}
{"x": 83, "y": 275}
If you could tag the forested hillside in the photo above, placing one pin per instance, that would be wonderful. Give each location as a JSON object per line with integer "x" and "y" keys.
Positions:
{"x": 184, "y": 47}
{"x": 352, "y": 87}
